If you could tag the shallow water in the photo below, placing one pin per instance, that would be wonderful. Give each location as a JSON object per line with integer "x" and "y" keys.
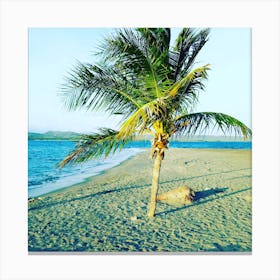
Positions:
{"x": 43, "y": 157}
{"x": 44, "y": 176}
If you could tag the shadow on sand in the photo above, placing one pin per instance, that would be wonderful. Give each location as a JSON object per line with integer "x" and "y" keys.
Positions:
{"x": 204, "y": 197}
{"x": 46, "y": 204}
{"x": 228, "y": 248}
{"x": 199, "y": 195}
{"x": 207, "y": 193}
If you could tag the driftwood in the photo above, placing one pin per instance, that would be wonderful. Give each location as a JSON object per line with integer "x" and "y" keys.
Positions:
{"x": 177, "y": 197}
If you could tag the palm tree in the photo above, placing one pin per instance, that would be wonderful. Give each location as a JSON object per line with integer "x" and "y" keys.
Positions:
{"x": 153, "y": 86}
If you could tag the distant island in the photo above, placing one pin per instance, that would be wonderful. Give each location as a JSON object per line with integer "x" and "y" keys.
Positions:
{"x": 54, "y": 135}
{"x": 74, "y": 136}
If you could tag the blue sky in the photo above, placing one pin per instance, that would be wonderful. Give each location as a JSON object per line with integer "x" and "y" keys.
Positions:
{"x": 54, "y": 51}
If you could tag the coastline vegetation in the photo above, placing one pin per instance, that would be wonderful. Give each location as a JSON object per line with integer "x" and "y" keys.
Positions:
{"x": 74, "y": 136}
{"x": 54, "y": 135}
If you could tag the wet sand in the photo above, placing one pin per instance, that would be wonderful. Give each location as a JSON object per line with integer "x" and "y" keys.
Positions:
{"x": 108, "y": 212}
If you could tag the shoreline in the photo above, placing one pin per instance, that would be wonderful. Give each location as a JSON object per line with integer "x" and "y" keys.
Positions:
{"x": 88, "y": 176}
{"x": 107, "y": 213}
{"x": 49, "y": 188}
{"x": 88, "y": 179}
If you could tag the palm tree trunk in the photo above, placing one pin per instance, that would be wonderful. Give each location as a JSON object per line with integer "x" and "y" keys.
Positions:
{"x": 156, "y": 173}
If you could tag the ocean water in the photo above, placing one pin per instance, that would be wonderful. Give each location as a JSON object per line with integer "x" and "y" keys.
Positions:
{"x": 44, "y": 176}
{"x": 43, "y": 157}
{"x": 198, "y": 145}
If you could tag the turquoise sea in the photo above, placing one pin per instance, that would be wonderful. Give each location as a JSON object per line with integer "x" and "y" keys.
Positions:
{"x": 43, "y": 157}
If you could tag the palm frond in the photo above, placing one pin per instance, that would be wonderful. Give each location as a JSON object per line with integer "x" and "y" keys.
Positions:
{"x": 92, "y": 87}
{"x": 96, "y": 145}
{"x": 186, "y": 81}
{"x": 137, "y": 53}
{"x": 188, "y": 44}
{"x": 190, "y": 124}
{"x": 184, "y": 92}
{"x": 158, "y": 43}
{"x": 144, "y": 118}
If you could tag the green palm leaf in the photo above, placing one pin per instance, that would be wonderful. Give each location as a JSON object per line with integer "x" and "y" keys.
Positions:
{"x": 158, "y": 40}
{"x": 95, "y": 145}
{"x": 200, "y": 122}
{"x": 144, "y": 118}
{"x": 94, "y": 88}
{"x": 184, "y": 92}
{"x": 187, "y": 46}
{"x": 128, "y": 49}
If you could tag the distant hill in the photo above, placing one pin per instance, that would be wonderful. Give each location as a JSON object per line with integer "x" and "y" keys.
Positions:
{"x": 54, "y": 135}
{"x": 74, "y": 136}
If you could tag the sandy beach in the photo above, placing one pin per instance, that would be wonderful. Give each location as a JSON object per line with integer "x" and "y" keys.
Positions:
{"x": 108, "y": 212}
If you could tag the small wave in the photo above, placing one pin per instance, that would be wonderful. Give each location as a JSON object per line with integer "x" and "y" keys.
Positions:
{"x": 34, "y": 183}
{"x": 51, "y": 179}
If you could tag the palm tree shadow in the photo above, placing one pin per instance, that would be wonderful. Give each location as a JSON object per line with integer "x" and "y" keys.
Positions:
{"x": 204, "y": 175}
{"x": 199, "y": 195}
{"x": 203, "y": 197}
{"x": 229, "y": 248}
{"x": 89, "y": 196}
